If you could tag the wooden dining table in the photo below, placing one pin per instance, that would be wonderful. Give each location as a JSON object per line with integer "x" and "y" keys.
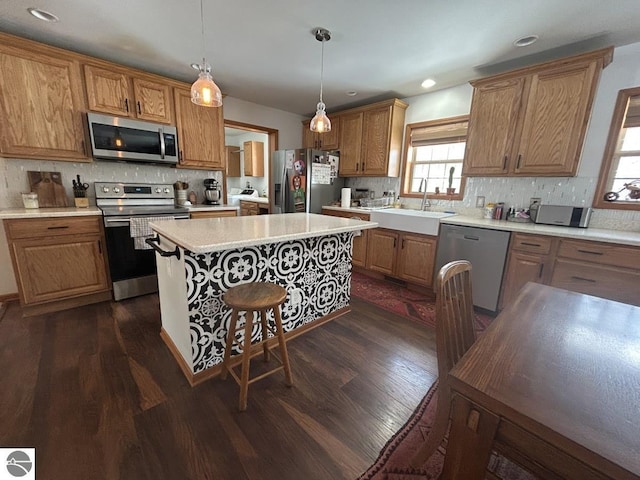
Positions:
{"x": 553, "y": 384}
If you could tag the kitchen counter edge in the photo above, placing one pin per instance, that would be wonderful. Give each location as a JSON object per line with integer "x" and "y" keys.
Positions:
{"x": 48, "y": 212}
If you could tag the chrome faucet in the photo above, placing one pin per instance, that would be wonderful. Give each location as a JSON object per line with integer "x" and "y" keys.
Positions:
{"x": 425, "y": 202}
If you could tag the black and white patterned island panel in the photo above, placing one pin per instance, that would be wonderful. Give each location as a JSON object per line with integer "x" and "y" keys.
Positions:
{"x": 309, "y": 255}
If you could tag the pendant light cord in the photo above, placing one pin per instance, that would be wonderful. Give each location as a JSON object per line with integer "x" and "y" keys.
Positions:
{"x": 321, "y": 68}
{"x": 203, "y": 43}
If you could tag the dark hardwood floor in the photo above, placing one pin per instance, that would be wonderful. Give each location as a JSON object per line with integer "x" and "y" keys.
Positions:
{"x": 98, "y": 394}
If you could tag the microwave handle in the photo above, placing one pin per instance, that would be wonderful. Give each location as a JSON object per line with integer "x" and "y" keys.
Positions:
{"x": 162, "y": 145}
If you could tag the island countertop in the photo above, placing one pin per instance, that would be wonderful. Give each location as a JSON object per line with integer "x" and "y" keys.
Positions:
{"x": 217, "y": 234}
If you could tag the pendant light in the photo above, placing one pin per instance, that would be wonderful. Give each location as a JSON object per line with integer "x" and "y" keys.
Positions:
{"x": 321, "y": 123}
{"x": 204, "y": 91}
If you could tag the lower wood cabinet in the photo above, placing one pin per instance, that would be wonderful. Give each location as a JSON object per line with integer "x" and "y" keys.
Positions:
{"x": 58, "y": 259}
{"x": 530, "y": 260}
{"x": 214, "y": 214}
{"x": 253, "y": 208}
{"x": 404, "y": 255}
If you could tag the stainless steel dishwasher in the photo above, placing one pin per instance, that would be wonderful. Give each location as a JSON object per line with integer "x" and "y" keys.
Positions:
{"x": 485, "y": 249}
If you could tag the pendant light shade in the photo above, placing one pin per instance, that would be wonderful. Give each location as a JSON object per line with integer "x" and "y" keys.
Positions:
{"x": 320, "y": 123}
{"x": 204, "y": 91}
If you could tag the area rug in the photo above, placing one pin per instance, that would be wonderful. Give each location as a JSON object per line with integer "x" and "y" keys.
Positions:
{"x": 394, "y": 458}
{"x": 396, "y": 298}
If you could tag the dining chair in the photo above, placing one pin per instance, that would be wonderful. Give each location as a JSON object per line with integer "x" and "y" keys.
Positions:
{"x": 455, "y": 334}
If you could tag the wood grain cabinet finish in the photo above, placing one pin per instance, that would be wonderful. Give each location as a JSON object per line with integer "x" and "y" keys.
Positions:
{"x": 253, "y": 208}
{"x": 360, "y": 242}
{"x": 214, "y": 214}
{"x": 408, "y": 256}
{"x": 116, "y": 92}
{"x": 200, "y": 133}
{"x": 58, "y": 259}
{"x": 232, "y": 155}
{"x": 322, "y": 141}
{"x": 41, "y": 103}
{"x": 253, "y": 158}
{"x": 371, "y": 139}
{"x": 533, "y": 121}
{"x": 604, "y": 270}
{"x": 530, "y": 260}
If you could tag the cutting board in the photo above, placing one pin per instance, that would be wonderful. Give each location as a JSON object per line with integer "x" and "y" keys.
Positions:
{"x": 48, "y": 186}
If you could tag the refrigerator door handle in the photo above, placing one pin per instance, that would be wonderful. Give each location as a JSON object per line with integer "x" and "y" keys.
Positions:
{"x": 284, "y": 188}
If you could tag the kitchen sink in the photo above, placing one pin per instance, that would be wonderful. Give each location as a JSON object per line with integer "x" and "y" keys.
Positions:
{"x": 415, "y": 221}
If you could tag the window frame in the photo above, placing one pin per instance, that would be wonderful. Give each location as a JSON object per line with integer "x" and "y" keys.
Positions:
{"x": 405, "y": 186}
{"x": 607, "y": 167}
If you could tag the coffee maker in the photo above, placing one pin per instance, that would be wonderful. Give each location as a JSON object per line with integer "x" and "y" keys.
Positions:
{"x": 212, "y": 191}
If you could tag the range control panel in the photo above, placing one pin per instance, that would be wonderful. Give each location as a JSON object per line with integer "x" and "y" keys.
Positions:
{"x": 133, "y": 190}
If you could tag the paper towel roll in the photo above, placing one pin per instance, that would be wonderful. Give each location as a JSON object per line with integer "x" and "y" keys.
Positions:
{"x": 345, "y": 199}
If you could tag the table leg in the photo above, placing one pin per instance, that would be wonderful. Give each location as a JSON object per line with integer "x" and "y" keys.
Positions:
{"x": 470, "y": 441}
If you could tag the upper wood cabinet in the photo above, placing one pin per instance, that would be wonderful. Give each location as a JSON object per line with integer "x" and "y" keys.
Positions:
{"x": 371, "y": 139}
{"x": 532, "y": 121}
{"x": 200, "y": 133}
{"x": 322, "y": 141}
{"x": 253, "y": 158}
{"x": 116, "y": 92}
{"x": 41, "y": 103}
{"x": 232, "y": 154}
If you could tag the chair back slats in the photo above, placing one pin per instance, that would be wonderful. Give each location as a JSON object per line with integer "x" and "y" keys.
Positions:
{"x": 454, "y": 315}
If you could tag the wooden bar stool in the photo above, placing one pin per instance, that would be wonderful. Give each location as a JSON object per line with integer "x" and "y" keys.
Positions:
{"x": 255, "y": 297}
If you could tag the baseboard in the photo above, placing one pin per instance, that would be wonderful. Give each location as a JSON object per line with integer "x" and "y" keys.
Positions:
{"x": 59, "y": 305}
{"x": 8, "y": 297}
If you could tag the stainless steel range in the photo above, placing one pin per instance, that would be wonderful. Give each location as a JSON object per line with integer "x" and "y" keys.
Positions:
{"x": 132, "y": 267}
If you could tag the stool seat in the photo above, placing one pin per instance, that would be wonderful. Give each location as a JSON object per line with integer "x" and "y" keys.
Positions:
{"x": 251, "y": 298}
{"x": 255, "y": 296}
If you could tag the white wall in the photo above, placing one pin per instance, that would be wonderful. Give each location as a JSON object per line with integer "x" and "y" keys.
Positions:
{"x": 623, "y": 72}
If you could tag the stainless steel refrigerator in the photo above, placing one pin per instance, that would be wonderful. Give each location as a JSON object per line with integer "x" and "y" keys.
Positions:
{"x": 304, "y": 180}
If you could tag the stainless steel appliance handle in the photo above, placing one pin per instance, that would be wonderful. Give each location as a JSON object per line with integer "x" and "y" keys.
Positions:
{"x": 162, "y": 145}
{"x": 112, "y": 222}
{"x": 284, "y": 189}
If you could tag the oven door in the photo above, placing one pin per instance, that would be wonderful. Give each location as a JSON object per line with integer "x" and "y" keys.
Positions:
{"x": 133, "y": 271}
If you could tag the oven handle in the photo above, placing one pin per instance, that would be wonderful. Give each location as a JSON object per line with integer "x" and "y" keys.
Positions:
{"x": 155, "y": 244}
{"x": 120, "y": 222}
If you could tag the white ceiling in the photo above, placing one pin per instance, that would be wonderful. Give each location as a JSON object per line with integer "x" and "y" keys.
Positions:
{"x": 263, "y": 51}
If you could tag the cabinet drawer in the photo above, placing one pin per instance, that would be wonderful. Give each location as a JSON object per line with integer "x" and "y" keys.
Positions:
{"x": 599, "y": 280}
{"x": 47, "y": 227}
{"x": 601, "y": 253}
{"x": 214, "y": 214}
{"x": 355, "y": 216}
{"x": 531, "y": 243}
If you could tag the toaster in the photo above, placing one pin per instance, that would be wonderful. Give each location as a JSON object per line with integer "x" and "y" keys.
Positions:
{"x": 560, "y": 215}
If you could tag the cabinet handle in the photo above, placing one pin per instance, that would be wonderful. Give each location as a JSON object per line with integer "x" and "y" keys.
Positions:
{"x": 100, "y": 247}
{"x": 583, "y": 279}
{"x": 126, "y": 104}
{"x": 590, "y": 252}
{"x": 402, "y": 244}
{"x": 541, "y": 270}
{"x": 363, "y": 166}
{"x": 394, "y": 242}
{"x": 504, "y": 162}
{"x": 530, "y": 244}
{"x": 61, "y": 227}
{"x": 154, "y": 242}
{"x": 139, "y": 109}
{"x": 519, "y": 158}
{"x": 180, "y": 155}
{"x": 83, "y": 147}
{"x": 357, "y": 166}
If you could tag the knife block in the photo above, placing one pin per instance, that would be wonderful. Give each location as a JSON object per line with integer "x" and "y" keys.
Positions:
{"x": 81, "y": 202}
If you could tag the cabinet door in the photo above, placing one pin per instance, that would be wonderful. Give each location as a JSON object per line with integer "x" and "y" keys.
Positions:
{"x": 308, "y": 137}
{"x": 233, "y": 161}
{"x": 350, "y": 145}
{"x": 557, "y": 112}
{"x": 200, "y": 133}
{"x": 416, "y": 258}
{"x": 41, "y": 106}
{"x": 359, "y": 257}
{"x": 253, "y": 159}
{"x": 153, "y": 101}
{"x": 494, "y": 115}
{"x": 375, "y": 141}
{"x": 381, "y": 250}
{"x": 330, "y": 140}
{"x": 59, "y": 267}
{"x": 108, "y": 91}
{"x": 521, "y": 268}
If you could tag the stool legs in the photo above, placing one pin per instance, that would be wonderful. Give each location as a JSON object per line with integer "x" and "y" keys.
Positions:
{"x": 246, "y": 357}
{"x": 265, "y": 334}
{"x": 283, "y": 347}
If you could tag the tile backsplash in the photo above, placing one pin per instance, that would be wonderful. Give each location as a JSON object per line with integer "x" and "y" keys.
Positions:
{"x": 516, "y": 192}
{"x": 14, "y": 176}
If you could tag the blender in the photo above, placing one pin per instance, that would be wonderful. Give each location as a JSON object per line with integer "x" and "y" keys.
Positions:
{"x": 212, "y": 191}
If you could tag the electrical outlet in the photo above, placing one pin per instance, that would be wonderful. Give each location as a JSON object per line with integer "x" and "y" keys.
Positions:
{"x": 533, "y": 200}
{"x": 479, "y": 201}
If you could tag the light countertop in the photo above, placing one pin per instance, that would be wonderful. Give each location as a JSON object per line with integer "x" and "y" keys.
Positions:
{"x": 49, "y": 212}
{"x": 225, "y": 233}
{"x": 592, "y": 234}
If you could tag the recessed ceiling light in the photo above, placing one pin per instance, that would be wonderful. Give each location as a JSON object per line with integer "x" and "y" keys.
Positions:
{"x": 526, "y": 41}
{"x": 351, "y": 93}
{"x": 428, "y": 83}
{"x": 43, "y": 15}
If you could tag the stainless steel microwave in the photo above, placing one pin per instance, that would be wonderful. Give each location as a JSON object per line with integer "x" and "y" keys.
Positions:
{"x": 116, "y": 138}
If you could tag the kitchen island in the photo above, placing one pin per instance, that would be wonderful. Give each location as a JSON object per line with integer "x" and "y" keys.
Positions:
{"x": 307, "y": 254}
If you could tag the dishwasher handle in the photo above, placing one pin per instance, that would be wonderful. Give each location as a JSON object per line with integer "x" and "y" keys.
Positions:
{"x": 471, "y": 237}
